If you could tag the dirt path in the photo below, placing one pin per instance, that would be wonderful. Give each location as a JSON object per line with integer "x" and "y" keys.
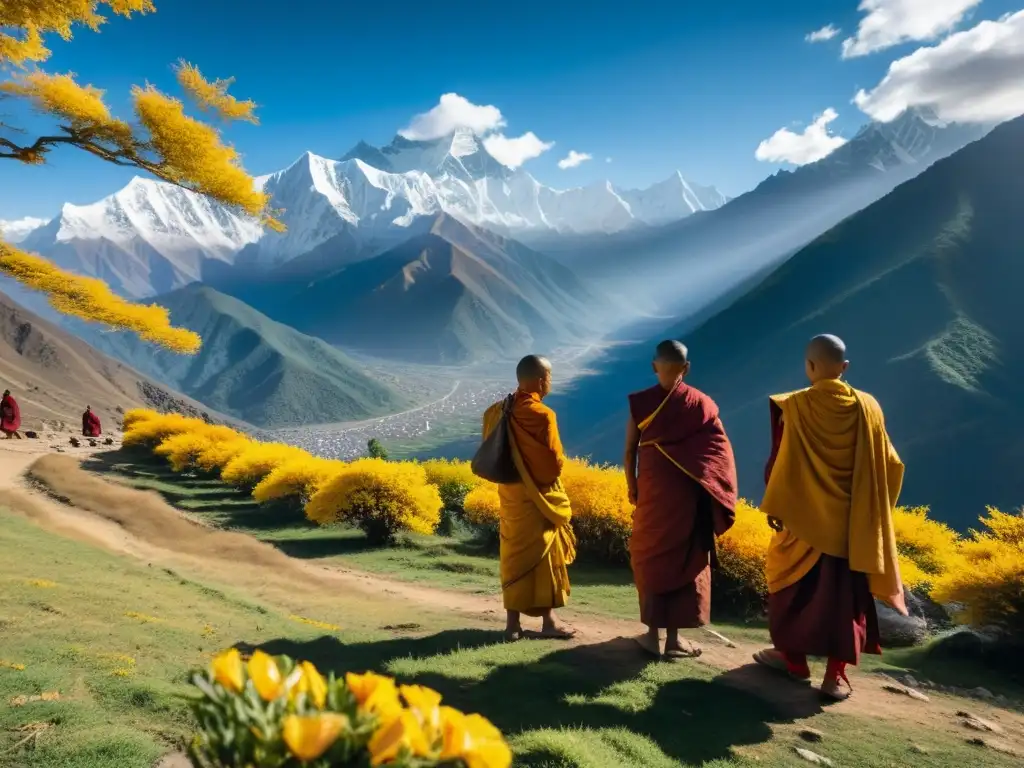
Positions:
{"x": 141, "y": 524}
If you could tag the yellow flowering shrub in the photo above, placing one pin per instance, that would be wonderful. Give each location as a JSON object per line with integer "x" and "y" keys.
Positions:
{"x": 270, "y": 712}
{"x": 215, "y": 456}
{"x": 927, "y": 548}
{"x": 382, "y": 498}
{"x": 739, "y": 582}
{"x": 602, "y": 516}
{"x": 183, "y": 450}
{"x": 257, "y": 460}
{"x": 453, "y": 480}
{"x": 299, "y": 477}
{"x": 151, "y": 431}
{"x": 989, "y": 587}
{"x": 482, "y": 508}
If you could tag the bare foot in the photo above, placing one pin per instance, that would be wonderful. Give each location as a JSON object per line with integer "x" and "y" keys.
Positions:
{"x": 557, "y": 631}
{"x": 774, "y": 660}
{"x": 681, "y": 650}
{"x": 833, "y": 689}
{"x": 512, "y": 635}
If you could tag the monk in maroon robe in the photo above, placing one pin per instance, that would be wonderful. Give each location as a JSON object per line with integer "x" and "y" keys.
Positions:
{"x": 10, "y": 416}
{"x": 681, "y": 475}
{"x": 90, "y": 423}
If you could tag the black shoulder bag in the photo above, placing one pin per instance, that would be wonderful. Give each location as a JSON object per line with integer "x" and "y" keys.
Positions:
{"x": 493, "y": 460}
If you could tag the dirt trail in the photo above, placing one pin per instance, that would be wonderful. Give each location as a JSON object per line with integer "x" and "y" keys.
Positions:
{"x": 54, "y": 491}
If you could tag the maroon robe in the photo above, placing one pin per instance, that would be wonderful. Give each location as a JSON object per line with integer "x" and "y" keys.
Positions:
{"x": 830, "y": 612}
{"x": 10, "y": 415}
{"x": 686, "y": 496}
{"x": 90, "y": 424}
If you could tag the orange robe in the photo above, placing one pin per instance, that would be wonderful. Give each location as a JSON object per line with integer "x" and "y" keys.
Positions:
{"x": 537, "y": 540}
{"x": 833, "y": 480}
{"x": 686, "y": 496}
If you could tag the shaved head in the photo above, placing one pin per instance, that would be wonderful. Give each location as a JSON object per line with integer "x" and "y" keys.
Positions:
{"x": 827, "y": 349}
{"x": 532, "y": 368}
{"x": 671, "y": 352}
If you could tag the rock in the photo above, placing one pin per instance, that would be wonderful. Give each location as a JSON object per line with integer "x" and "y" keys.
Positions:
{"x": 92, "y": 443}
{"x": 812, "y": 735}
{"x": 918, "y": 749}
{"x": 174, "y": 760}
{"x": 109, "y": 441}
{"x": 982, "y": 693}
{"x": 31, "y": 435}
{"x": 904, "y": 691}
{"x": 911, "y": 681}
{"x": 75, "y": 442}
{"x": 812, "y": 757}
{"x": 995, "y": 746}
{"x": 975, "y": 723}
{"x": 898, "y": 631}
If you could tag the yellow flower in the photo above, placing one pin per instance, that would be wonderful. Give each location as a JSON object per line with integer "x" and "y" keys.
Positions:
{"x": 310, "y": 737}
{"x": 425, "y": 703}
{"x": 227, "y": 670}
{"x": 474, "y": 740}
{"x": 375, "y": 694}
{"x": 403, "y": 732}
{"x": 312, "y": 683}
{"x": 266, "y": 676}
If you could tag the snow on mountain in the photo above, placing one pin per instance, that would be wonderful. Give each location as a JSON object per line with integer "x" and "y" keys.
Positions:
{"x": 147, "y": 238}
{"x": 671, "y": 200}
{"x": 17, "y": 230}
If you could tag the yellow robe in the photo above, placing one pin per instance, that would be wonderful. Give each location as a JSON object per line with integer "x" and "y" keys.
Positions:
{"x": 537, "y": 541}
{"x": 834, "y": 484}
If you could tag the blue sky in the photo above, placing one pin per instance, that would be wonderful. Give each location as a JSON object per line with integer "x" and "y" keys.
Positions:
{"x": 655, "y": 86}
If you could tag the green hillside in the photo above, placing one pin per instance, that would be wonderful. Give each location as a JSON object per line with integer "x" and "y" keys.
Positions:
{"x": 254, "y": 368}
{"x": 925, "y": 287}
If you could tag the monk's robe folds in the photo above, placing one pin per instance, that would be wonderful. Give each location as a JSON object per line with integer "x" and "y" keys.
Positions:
{"x": 834, "y": 482}
{"x": 10, "y": 414}
{"x": 686, "y": 496}
{"x": 91, "y": 424}
{"x": 537, "y": 540}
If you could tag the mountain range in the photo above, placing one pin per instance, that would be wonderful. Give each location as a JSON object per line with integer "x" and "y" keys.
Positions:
{"x": 253, "y": 368}
{"x": 923, "y": 286}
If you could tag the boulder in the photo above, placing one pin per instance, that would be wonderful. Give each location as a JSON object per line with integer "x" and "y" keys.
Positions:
{"x": 31, "y": 435}
{"x": 898, "y": 631}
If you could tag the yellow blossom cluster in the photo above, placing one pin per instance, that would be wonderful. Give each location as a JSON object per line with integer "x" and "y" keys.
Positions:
{"x": 162, "y": 140}
{"x": 293, "y": 710}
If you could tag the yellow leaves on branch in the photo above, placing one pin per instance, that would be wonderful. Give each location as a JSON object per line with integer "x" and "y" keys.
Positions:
{"x": 23, "y": 22}
{"x": 90, "y": 299}
{"x": 214, "y": 97}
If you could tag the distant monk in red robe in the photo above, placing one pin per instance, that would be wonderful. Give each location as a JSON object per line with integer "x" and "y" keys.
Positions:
{"x": 10, "y": 416}
{"x": 90, "y": 423}
{"x": 833, "y": 479}
{"x": 682, "y": 479}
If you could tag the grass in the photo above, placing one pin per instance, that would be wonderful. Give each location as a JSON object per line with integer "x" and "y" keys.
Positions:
{"x": 116, "y": 638}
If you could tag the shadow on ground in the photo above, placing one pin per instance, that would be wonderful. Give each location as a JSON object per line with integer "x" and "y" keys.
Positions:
{"x": 691, "y": 713}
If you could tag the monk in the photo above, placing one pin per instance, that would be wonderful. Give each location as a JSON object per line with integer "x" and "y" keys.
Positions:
{"x": 681, "y": 476}
{"x": 833, "y": 479}
{"x": 90, "y": 423}
{"x": 10, "y": 416}
{"x": 537, "y": 540}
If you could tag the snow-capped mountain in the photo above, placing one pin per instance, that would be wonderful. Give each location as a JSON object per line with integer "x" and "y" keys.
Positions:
{"x": 17, "y": 230}
{"x": 148, "y": 238}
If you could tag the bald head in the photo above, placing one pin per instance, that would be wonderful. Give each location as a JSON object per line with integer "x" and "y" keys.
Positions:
{"x": 534, "y": 374}
{"x": 826, "y": 357}
{"x": 672, "y": 352}
{"x": 671, "y": 363}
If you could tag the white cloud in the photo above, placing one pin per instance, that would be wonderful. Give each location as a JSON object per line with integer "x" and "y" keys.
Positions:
{"x": 516, "y": 150}
{"x": 574, "y": 159}
{"x": 453, "y": 111}
{"x": 972, "y": 76}
{"x": 786, "y": 146}
{"x": 822, "y": 35}
{"x": 891, "y": 22}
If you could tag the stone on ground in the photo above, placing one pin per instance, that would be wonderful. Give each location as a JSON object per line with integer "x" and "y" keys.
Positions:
{"x": 813, "y": 757}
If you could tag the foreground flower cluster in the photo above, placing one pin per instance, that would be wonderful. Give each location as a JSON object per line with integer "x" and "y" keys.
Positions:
{"x": 983, "y": 572}
{"x": 271, "y": 712}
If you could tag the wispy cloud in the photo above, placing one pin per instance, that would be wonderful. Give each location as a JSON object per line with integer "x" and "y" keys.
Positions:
{"x": 514, "y": 151}
{"x": 822, "y": 35}
{"x": 890, "y": 22}
{"x": 813, "y": 144}
{"x": 453, "y": 111}
{"x": 971, "y": 76}
{"x": 574, "y": 159}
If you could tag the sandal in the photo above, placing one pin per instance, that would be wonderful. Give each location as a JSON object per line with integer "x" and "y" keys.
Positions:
{"x": 774, "y": 661}
{"x": 674, "y": 654}
{"x": 645, "y": 646}
{"x": 832, "y": 689}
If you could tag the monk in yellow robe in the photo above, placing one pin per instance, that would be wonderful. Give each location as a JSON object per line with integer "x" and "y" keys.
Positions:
{"x": 833, "y": 479}
{"x": 537, "y": 540}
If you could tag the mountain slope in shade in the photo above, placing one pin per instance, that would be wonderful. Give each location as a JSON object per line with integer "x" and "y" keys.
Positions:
{"x": 54, "y": 375}
{"x": 687, "y": 264}
{"x": 924, "y": 288}
{"x": 149, "y": 237}
{"x": 254, "y": 368}
{"x": 452, "y": 294}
